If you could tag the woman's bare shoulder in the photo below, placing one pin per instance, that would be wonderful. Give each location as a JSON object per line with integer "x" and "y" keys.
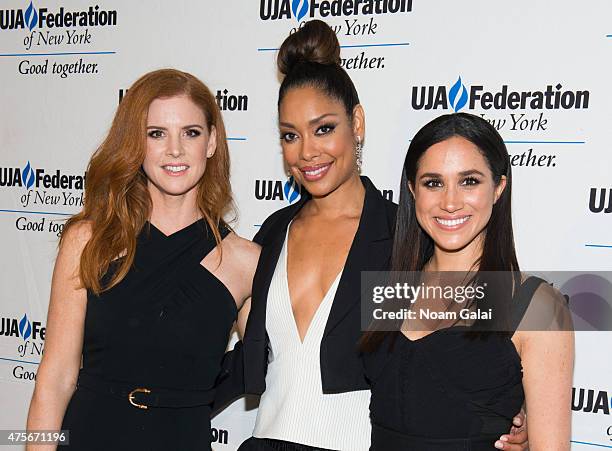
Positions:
{"x": 242, "y": 249}
{"x": 77, "y": 233}
{"x": 74, "y": 239}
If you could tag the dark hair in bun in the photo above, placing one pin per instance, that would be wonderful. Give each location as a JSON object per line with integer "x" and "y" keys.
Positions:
{"x": 311, "y": 57}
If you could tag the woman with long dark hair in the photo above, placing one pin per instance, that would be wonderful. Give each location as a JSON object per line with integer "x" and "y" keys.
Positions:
{"x": 455, "y": 384}
{"x": 148, "y": 279}
{"x": 300, "y": 344}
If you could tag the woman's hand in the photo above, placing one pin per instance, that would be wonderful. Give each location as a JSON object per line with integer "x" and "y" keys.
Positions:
{"x": 517, "y": 439}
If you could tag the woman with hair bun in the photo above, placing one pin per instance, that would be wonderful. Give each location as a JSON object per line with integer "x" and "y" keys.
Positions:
{"x": 301, "y": 340}
{"x": 148, "y": 280}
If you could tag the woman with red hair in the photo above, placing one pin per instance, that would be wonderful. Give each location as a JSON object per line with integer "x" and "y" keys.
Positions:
{"x": 148, "y": 280}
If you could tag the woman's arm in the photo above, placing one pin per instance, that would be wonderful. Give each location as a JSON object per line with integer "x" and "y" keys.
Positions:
{"x": 59, "y": 367}
{"x": 235, "y": 267}
{"x": 548, "y": 364}
{"x": 236, "y": 271}
{"x": 230, "y": 384}
{"x": 243, "y": 316}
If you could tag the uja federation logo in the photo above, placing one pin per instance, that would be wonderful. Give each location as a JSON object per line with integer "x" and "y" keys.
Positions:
{"x": 299, "y": 9}
{"x": 31, "y": 18}
{"x": 289, "y": 191}
{"x": 591, "y": 400}
{"x": 23, "y": 328}
{"x": 458, "y": 97}
{"x": 32, "y": 334}
{"x": 28, "y": 177}
{"x": 600, "y": 206}
{"x": 11, "y": 19}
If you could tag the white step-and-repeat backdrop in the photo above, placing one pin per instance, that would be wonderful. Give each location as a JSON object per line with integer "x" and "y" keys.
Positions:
{"x": 538, "y": 70}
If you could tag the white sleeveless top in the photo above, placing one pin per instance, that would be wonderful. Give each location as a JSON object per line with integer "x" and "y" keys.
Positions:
{"x": 293, "y": 407}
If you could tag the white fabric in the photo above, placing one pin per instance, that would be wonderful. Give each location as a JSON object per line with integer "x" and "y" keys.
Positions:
{"x": 293, "y": 407}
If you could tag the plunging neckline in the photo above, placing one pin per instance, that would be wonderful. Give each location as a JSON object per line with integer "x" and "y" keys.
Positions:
{"x": 317, "y": 311}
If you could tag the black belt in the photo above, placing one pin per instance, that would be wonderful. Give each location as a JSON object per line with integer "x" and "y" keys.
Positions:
{"x": 143, "y": 397}
{"x": 389, "y": 440}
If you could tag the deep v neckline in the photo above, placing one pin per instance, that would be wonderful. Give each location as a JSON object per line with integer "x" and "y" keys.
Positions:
{"x": 323, "y": 300}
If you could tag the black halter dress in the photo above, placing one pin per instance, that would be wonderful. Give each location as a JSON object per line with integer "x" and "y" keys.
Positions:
{"x": 152, "y": 349}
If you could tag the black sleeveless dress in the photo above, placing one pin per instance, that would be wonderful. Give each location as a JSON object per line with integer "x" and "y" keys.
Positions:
{"x": 447, "y": 391}
{"x": 165, "y": 329}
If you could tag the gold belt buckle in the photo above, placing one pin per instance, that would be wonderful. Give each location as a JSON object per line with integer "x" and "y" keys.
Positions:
{"x": 131, "y": 397}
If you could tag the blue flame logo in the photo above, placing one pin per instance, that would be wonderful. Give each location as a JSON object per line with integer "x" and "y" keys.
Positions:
{"x": 25, "y": 327}
{"x": 292, "y": 190}
{"x": 298, "y": 11}
{"x": 31, "y": 17}
{"x": 27, "y": 176}
{"x": 458, "y": 95}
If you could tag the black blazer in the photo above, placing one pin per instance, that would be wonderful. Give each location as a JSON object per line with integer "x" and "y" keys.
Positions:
{"x": 341, "y": 368}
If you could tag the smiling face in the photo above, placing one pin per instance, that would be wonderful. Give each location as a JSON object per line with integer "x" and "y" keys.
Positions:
{"x": 454, "y": 193}
{"x": 318, "y": 139}
{"x": 178, "y": 145}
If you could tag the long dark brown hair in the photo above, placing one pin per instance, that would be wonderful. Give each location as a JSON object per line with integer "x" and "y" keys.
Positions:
{"x": 412, "y": 247}
{"x": 117, "y": 201}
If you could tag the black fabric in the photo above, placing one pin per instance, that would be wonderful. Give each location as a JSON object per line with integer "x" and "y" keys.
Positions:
{"x": 159, "y": 397}
{"x": 165, "y": 328}
{"x": 230, "y": 382}
{"x": 523, "y": 299}
{"x": 341, "y": 368}
{"x": 388, "y": 440}
{"x": 444, "y": 386}
{"x": 450, "y": 390}
{"x": 267, "y": 444}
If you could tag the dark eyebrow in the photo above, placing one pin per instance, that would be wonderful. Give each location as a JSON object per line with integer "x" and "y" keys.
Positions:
{"x": 311, "y": 122}
{"x": 462, "y": 173}
{"x": 430, "y": 175}
{"x": 471, "y": 172}
{"x": 184, "y": 128}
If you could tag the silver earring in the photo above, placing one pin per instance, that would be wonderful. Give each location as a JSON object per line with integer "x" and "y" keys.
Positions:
{"x": 358, "y": 153}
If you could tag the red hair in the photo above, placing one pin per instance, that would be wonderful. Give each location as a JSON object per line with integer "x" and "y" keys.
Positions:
{"x": 117, "y": 202}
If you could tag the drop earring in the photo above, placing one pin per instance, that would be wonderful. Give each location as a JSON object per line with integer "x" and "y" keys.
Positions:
{"x": 358, "y": 154}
